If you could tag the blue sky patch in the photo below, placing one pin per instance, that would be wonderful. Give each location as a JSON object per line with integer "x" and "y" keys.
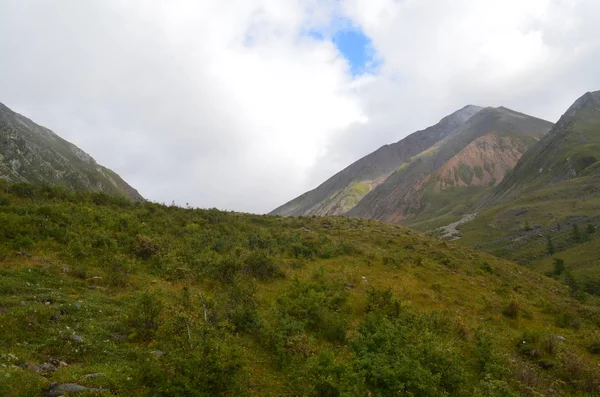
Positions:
{"x": 352, "y": 43}
{"x": 356, "y": 47}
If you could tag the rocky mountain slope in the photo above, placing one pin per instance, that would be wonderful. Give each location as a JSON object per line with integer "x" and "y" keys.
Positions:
{"x": 447, "y": 179}
{"x": 345, "y": 189}
{"x": 32, "y": 153}
{"x": 570, "y": 150}
{"x": 548, "y": 207}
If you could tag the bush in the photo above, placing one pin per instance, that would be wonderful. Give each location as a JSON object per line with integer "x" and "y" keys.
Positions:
{"x": 261, "y": 265}
{"x": 144, "y": 319}
{"x": 567, "y": 319}
{"x": 594, "y": 347}
{"x": 319, "y": 305}
{"x": 405, "y": 357}
{"x": 512, "y": 310}
{"x": 146, "y": 247}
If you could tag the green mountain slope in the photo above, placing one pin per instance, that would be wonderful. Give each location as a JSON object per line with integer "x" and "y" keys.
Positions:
{"x": 549, "y": 205}
{"x": 31, "y": 153}
{"x": 345, "y": 189}
{"x": 446, "y": 180}
{"x": 136, "y": 298}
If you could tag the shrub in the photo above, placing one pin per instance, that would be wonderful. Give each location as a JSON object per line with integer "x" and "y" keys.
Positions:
{"x": 512, "y": 310}
{"x": 559, "y": 266}
{"x": 261, "y": 265}
{"x": 145, "y": 247}
{"x": 144, "y": 319}
{"x": 594, "y": 347}
{"x": 319, "y": 305}
{"x": 567, "y": 319}
{"x": 406, "y": 356}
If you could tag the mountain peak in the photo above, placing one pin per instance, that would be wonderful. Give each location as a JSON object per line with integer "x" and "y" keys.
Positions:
{"x": 589, "y": 100}
{"x": 461, "y": 116}
{"x": 34, "y": 154}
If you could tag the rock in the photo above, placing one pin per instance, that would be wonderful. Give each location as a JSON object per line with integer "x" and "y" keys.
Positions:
{"x": 95, "y": 375}
{"x": 77, "y": 339}
{"x": 157, "y": 353}
{"x": 60, "y": 389}
{"x": 560, "y": 338}
{"x": 46, "y": 367}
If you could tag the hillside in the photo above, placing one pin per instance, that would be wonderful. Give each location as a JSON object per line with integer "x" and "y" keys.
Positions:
{"x": 548, "y": 207}
{"x": 344, "y": 190}
{"x": 445, "y": 181}
{"x": 136, "y": 298}
{"x": 31, "y": 153}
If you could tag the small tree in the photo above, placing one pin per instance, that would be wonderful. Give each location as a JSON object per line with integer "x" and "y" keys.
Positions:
{"x": 590, "y": 229}
{"x": 551, "y": 250}
{"x": 559, "y": 266}
{"x": 576, "y": 233}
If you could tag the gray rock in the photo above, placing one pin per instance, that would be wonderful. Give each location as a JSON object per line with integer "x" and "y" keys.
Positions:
{"x": 157, "y": 353}
{"x": 59, "y": 389}
{"x": 560, "y": 338}
{"x": 77, "y": 339}
{"x": 95, "y": 375}
{"x": 46, "y": 367}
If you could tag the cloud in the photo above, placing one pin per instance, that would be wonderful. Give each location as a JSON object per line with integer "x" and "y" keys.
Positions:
{"x": 234, "y": 104}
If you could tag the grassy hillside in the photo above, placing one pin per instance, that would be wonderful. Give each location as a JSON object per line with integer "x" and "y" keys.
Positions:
{"x": 136, "y": 298}
{"x": 548, "y": 207}
{"x": 559, "y": 221}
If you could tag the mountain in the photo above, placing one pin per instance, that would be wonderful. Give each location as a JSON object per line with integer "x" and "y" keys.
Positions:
{"x": 448, "y": 178}
{"x": 32, "y": 153}
{"x": 119, "y": 298}
{"x": 344, "y": 190}
{"x": 548, "y": 207}
{"x": 571, "y": 149}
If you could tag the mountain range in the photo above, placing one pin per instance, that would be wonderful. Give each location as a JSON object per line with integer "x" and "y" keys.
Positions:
{"x": 138, "y": 298}
{"x": 436, "y": 172}
{"x": 501, "y": 181}
{"x": 34, "y": 154}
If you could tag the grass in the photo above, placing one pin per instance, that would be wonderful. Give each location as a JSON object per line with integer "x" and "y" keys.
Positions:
{"x": 169, "y": 301}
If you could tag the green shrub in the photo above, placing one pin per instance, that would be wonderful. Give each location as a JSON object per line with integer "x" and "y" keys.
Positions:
{"x": 594, "y": 347}
{"x": 405, "y": 356}
{"x": 261, "y": 265}
{"x": 512, "y": 310}
{"x": 146, "y": 247}
{"x": 144, "y": 318}
{"x": 319, "y": 305}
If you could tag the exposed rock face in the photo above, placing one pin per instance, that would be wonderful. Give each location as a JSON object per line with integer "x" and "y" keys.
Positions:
{"x": 484, "y": 162}
{"x": 344, "y": 190}
{"x": 479, "y": 153}
{"x": 31, "y": 153}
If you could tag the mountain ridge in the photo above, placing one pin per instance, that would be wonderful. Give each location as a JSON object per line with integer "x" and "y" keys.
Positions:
{"x": 362, "y": 176}
{"x": 402, "y": 194}
{"x": 36, "y": 154}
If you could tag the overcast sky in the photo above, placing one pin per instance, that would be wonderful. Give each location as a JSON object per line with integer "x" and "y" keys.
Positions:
{"x": 245, "y": 104}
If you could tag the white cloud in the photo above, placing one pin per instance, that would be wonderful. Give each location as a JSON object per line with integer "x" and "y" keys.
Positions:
{"x": 227, "y": 104}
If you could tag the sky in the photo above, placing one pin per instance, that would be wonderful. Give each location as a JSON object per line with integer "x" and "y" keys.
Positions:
{"x": 245, "y": 104}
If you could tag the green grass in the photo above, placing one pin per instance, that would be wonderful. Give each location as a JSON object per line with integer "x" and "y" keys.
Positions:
{"x": 257, "y": 305}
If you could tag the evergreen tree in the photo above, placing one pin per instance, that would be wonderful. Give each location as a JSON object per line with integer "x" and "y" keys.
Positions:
{"x": 576, "y": 233}
{"x": 550, "y": 246}
{"x": 559, "y": 266}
